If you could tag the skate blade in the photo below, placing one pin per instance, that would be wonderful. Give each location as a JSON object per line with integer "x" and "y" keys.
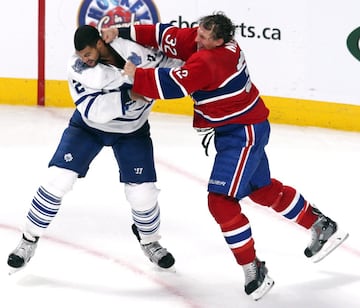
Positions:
{"x": 333, "y": 242}
{"x": 14, "y": 270}
{"x": 170, "y": 269}
{"x": 265, "y": 287}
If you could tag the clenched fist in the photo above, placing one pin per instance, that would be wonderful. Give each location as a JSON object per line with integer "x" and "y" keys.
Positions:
{"x": 109, "y": 34}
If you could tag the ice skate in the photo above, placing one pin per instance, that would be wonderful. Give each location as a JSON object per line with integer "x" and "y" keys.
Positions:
{"x": 325, "y": 237}
{"x": 21, "y": 254}
{"x": 257, "y": 281}
{"x": 155, "y": 252}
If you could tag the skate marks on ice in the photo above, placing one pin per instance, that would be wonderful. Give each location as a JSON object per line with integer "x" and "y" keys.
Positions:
{"x": 92, "y": 277}
{"x": 89, "y": 277}
{"x": 87, "y": 268}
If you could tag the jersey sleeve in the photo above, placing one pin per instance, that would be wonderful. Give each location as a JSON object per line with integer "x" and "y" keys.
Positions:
{"x": 138, "y": 54}
{"x": 98, "y": 77}
{"x": 174, "y": 42}
{"x": 177, "y": 82}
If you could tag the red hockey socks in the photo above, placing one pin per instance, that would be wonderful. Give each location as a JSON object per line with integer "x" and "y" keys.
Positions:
{"x": 286, "y": 201}
{"x": 234, "y": 226}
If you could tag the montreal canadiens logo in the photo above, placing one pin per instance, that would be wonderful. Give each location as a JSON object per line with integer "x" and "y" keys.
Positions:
{"x": 106, "y": 13}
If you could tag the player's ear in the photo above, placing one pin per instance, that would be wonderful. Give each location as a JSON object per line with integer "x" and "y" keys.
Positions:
{"x": 100, "y": 43}
{"x": 219, "y": 42}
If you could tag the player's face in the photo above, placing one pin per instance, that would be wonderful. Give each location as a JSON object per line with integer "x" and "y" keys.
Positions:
{"x": 205, "y": 40}
{"x": 89, "y": 55}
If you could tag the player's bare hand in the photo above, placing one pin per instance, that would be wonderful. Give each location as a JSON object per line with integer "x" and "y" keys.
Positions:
{"x": 129, "y": 69}
{"x": 109, "y": 34}
{"x": 135, "y": 96}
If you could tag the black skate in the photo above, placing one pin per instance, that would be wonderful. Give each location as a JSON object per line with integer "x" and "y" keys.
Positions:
{"x": 22, "y": 254}
{"x": 155, "y": 252}
{"x": 325, "y": 237}
{"x": 257, "y": 281}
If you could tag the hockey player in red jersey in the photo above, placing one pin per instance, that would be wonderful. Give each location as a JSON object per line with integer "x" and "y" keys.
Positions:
{"x": 228, "y": 104}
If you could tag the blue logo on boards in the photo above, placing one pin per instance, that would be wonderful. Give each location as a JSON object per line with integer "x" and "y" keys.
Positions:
{"x": 106, "y": 13}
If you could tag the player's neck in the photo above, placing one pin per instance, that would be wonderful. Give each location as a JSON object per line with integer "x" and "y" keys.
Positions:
{"x": 109, "y": 56}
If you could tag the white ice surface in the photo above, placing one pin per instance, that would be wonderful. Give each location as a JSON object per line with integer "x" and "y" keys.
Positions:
{"x": 89, "y": 257}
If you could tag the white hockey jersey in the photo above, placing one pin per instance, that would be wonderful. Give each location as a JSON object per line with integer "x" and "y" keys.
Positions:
{"x": 100, "y": 93}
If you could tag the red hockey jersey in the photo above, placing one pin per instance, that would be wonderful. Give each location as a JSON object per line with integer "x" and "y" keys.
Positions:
{"x": 217, "y": 80}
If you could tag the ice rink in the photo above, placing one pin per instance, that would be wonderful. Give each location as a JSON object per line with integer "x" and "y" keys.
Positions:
{"x": 89, "y": 257}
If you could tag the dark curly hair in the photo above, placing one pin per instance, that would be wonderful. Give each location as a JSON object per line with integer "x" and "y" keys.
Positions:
{"x": 85, "y": 36}
{"x": 220, "y": 25}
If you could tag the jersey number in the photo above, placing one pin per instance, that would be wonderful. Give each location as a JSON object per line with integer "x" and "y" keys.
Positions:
{"x": 169, "y": 45}
{"x": 78, "y": 87}
{"x": 181, "y": 73}
{"x": 240, "y": 66}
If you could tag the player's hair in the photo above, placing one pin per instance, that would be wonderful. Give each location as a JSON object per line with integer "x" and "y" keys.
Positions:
{"x": 220, "y": 25}
{"x": 85, "y": 36}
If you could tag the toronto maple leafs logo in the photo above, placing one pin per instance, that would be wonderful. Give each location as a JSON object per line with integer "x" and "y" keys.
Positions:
{"x": 135, "y": 58}
{"x": 79, "y": 66}
{"x": 68, "y": 157}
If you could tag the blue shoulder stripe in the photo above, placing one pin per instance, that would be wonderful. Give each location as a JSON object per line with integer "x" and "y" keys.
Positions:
{"x": 233, "y": 87}
{"x": 169, "y": 87}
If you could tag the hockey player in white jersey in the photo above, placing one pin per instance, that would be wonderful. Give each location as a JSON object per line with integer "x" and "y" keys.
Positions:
{"x": 105, "y": 115}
